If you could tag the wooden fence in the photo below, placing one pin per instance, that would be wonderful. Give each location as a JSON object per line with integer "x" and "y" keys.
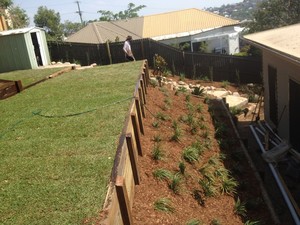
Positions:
{"x": 125, "y": 172}
{"x": 190, "y": 64}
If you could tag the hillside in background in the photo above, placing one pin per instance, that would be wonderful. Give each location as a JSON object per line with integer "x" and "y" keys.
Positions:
{"x": 239, "y": 11}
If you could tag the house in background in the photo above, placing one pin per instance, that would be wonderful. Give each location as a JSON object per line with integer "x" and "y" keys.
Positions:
{"x": 281, "y": 77}
{"x": 23, "y": 49}
{"x": 192, "y": 26}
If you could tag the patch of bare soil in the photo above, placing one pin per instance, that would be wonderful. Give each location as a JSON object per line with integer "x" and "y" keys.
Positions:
{"x": 219, "y": 187}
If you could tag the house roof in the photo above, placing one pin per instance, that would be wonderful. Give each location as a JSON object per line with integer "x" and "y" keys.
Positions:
{"x": 158, "y": 26}
{"x": 284, "y": 40}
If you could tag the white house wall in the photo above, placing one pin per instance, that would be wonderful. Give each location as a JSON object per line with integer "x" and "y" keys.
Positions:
{"x": 286, "y": 70}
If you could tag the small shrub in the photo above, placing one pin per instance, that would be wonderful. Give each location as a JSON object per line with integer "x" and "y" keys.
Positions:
{"x": 181, "y": 167}
{"x": 229, "y": 186}
{"x": 181, "y": 77}
{"x": 240, "y": 208}
{"x": 162, "y": 116}
{"x": 235, "y": 111}
{"x": 155, "y": 124}
{"x": 197, "y": 196}
{"x": 198, "y": 91}
{"x": 225, "y": 84}
{"x": 162, "y": 174}
{"x": 249, "y": 222}
{"x": 215, "y": 222}
{"x": 194, "y": 222}
{"x": 175, "y": 183}
{"x": 164, "y": 205}
{"x": 157, "y": 153}
{"x": 177, "y": 134}
{"x": 157, "y": 138}
{"x": 194, "y": 128}
{"x": 153, "y": 83}
{"x": 190, "y": 154}
{"x": 199, "y": 108}
{"x": 160, "y": 63}
{"x": 188, "y": 98}
{"x": 208, "y": 188}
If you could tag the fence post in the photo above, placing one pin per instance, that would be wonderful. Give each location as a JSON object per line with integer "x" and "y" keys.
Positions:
{"x": 136, "y": 133}
{"x": 123, "y": 201}
{"x": 108, "y": 52}
{"x": 139, "y": 113}
{"x": 133, "y": 159}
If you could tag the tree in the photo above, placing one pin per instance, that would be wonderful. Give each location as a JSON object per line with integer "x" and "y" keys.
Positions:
{"x": 5, "y": 3}
{"x": 50, "y": 21}
{"x": 131, "y": 12}
{"x": 18, "y": 17}
{"x": 275, "y": 13}
{"x": 70, "y": 27}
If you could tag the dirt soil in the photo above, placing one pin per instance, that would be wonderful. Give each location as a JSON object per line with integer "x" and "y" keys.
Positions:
{"x": 221, "y": 151}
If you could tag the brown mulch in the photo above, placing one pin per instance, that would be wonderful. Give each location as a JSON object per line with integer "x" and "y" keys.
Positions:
{"x": 190, "y": 201}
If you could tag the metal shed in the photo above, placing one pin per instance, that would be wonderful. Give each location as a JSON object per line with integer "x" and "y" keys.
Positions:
{"x": 24, "y": 48}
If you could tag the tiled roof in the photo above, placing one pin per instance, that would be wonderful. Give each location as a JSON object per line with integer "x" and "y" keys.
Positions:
{"x": 178, "y": 23}
{"x": 285, "y": 39}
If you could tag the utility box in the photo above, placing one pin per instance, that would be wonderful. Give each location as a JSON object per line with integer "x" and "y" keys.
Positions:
{"x": 22, "y": 49}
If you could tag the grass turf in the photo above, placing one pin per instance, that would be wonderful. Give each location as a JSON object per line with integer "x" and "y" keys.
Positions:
{"x": 55, "y": 168}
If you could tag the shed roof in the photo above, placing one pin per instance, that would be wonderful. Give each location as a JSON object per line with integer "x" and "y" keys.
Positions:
{"x": 178, "y": 23}
{"x": 285, "y": 40}
{"x": 19, "y": 31}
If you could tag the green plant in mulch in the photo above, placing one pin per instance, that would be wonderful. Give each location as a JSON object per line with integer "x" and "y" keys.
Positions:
{"x": 228, "y": 185}
{"x": 181, "y": 77}
{"x": 176, "y": 133}
{"x": 194, "y": 128}
{"x": 162, "y": 116}
{"x": 180, "y": 90}
{"x": 198, "y": 91}
{"x": 249, "y": 222}
{"x": 157, "y": 152}
{"x": 153, "y": 83}
{"x": 197, "y": 195}
{"x": 208, "y": 187}
{"x": 190, "y": 154}
{"x": 194, "y": 222}
{"x": 225, "y": 84}
{"x": 240, "y": 207}
{"x": 199, "y": 108}
{"x": 188, "y": 98}
{"x": 155, "y": 124}
{"x": 162, "y": 174}
{"x": 168, "y": 102}
{"x": 235, "y": 111}
{"x": 199, "y": 146}
{"x": 164, "y": 205}
{"x": 160, "y": 64}
{"x": 215, "y": 222}
{"x": 221, "y": 129}
{"x": 205, "y": 134}
{"x": 174, "y": 184}
{"x": 190, "y": 107}
{"x": 157, "y": 138}
{"x": 181, "y": 166}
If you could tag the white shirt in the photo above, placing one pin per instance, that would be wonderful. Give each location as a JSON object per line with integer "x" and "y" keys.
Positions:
{"x": 127, "y": 48}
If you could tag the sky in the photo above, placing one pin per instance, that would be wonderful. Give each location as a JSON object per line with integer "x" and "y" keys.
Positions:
{"x": 68, "y": 8}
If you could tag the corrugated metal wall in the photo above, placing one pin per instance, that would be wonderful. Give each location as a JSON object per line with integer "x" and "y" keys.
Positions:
{"x": 14, "y": 53}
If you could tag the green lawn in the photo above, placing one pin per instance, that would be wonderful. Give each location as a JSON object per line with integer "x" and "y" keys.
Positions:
{"x": 55, "y": 168}
{"x": 29, "y": 76}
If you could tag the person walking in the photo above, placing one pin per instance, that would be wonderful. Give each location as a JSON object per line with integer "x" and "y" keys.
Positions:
{"x": 127, "y": 49}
